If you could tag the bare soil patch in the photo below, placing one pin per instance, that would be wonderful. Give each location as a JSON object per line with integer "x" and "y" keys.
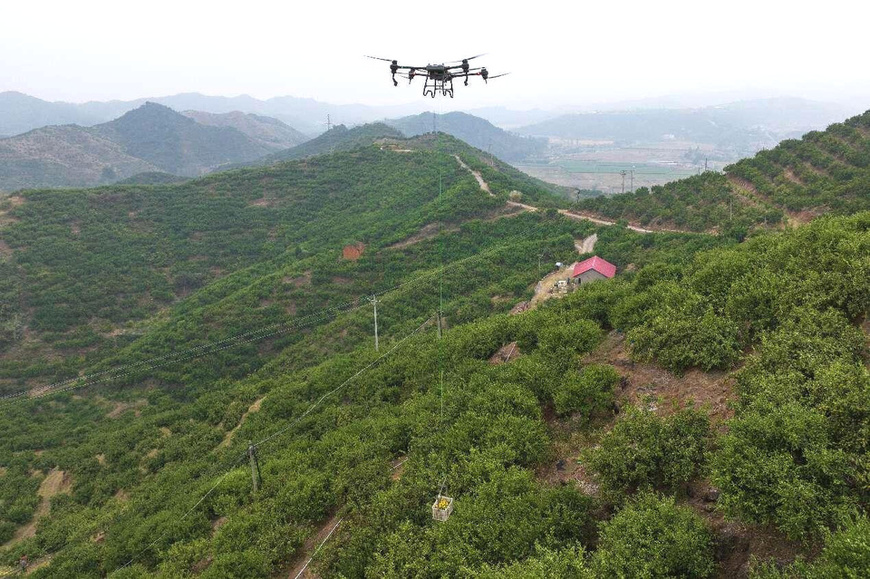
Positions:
{"x": 505, "y": 354}
{"x": 301, "y": 281}
{"x": 263, "y": 202}
{"x": 54, "y": 483}
{"x": 353, "y": 252}
{"x": 586, "y": 245}
{"x": 428, "y": 231}
{"x": 299, "y": 568}
{"x": 735, "y": 542}
{"x": 484, "y": 186}
{"x": 255, "y": 407}
{"x": 646, "y": 381}
{"x": 397, "y": 467}
{"x": 790, "y": 176}
{"x": 121, "y": 407}
{"x": 546, "y": 288}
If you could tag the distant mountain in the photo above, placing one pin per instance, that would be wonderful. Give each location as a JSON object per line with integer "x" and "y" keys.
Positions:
{"x": 475, "y": 131}
{"x": 511, "y": 119}
{"x": 267, "y": 131}
{"x": 20, "y": 113}
{"x": 338, "y": 138}
{"x": 150, "y": 138}
{"x": 740, "y": 124}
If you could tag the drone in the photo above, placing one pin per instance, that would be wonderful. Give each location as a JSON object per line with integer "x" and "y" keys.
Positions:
{"x": 439, "y": 77}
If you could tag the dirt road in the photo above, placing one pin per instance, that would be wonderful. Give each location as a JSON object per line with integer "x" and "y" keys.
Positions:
{"x": 587, "y": 245}
{"x": 484, "y": 186}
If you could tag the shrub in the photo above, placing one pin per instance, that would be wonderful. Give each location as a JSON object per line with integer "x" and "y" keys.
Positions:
{"x": 589, "y": 393}
{"x": 545, "y": 564}
{"x": 846, "y": 553}
{"x": 644, "y": 451}
{"x": 652, "y": 537}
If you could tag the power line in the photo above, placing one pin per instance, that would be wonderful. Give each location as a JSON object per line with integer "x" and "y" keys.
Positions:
{"x": 317, "y": 550}
{"x": 211, "y": 348}
{"x": 271, "y": 437}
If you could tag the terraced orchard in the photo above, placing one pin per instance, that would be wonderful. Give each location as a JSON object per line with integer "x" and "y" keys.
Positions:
{"x": 823, "y": 172}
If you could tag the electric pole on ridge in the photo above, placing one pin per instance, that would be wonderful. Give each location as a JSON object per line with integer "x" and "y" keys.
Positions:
{"x": 374, "y": 301}
{"x": 255, "y": 465}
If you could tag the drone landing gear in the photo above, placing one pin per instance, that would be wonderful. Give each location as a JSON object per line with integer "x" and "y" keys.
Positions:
{"x": 445, "y": 87}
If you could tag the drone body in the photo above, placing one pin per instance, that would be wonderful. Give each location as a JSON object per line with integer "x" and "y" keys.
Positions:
{"x": 438, "y": 77}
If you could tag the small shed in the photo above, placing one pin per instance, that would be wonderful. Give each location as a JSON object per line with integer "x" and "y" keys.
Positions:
{"x": 593, "y": 269}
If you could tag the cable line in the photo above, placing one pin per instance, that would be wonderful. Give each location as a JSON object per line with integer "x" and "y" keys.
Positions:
{"x": 198, "y": 351}
{"x": 271, "y": 437}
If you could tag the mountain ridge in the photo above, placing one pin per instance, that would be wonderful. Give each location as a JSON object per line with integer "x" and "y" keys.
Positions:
{"x": 147, "y": 139}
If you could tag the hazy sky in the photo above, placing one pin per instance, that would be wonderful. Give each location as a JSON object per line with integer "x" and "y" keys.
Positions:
{"x": 559, "y": 53}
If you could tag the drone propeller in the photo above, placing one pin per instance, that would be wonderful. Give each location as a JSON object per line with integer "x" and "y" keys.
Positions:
{"x": 498, "y": 75}
{"x": 467, "y": 59}
{"x": 379, "y": 58}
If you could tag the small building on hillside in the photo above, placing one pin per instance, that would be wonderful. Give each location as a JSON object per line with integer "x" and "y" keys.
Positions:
{"x": 592, "y": 269}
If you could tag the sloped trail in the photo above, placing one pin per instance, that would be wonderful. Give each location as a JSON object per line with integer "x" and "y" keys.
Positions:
{"x": 484, "y": 186}
{"x": 587, "y": 245}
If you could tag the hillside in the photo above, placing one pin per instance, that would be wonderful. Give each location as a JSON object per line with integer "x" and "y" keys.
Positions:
{"x": 91, "y": 266}
{"x": 64, "y": 156}
{"x": 823, "y": 172}
{"x": 475, "y": 131}
{"x": 151, "y": 178}
{"x": 150, "y": 138}
{"x": 177, "y": 144}
{"x": 265, "y": 131}
{"x": 339, "y": 138}
{"x": 158, "y": 329}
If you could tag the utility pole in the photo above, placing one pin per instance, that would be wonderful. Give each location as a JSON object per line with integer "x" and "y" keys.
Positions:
{"x": 374, "y": 300}
{"x": 632, "y": 180}
{"x": 623, "y": 179}
{"x": 328, "y": 123}
{"x": 255, "y": 466}
{"x": 705, "y": 164}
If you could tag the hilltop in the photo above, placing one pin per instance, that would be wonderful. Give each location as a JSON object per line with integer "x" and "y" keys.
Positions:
{"x": 475, "y": 131}
{"x": 823, "y": 172}
{"x": 148, "y": 139}
{"x": 338, "y": 138}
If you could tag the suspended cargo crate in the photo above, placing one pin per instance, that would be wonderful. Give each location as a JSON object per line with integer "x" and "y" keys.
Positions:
{"x": 441, "y": 508}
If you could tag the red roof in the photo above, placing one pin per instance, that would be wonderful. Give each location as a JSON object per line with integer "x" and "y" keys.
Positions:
{"x": 602, "y": 266}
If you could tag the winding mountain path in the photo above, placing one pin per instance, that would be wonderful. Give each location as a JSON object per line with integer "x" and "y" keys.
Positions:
{"x": 484, "y": 186}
